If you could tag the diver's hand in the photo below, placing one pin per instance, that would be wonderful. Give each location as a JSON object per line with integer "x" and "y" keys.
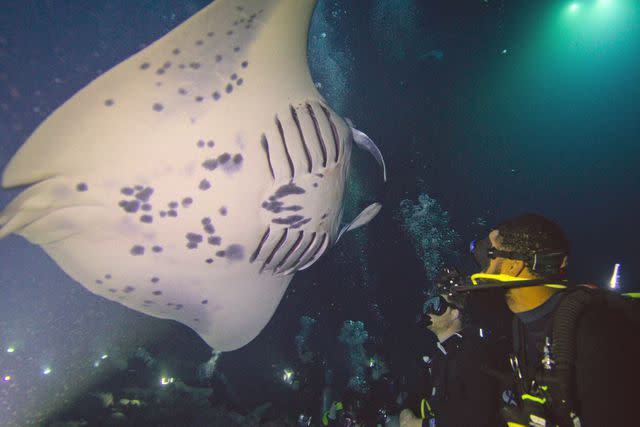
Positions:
{"x": 408, "y": 419}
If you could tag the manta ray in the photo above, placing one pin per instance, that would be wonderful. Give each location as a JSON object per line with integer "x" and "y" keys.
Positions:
{"x": 195, "y": 178}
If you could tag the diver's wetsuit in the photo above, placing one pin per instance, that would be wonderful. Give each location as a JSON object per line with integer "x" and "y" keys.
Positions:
{"x": 457, "y": 385}
{"x": 607, "y": 354}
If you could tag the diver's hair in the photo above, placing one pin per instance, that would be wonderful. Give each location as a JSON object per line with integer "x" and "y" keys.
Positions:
{"x": 530, "y": 233}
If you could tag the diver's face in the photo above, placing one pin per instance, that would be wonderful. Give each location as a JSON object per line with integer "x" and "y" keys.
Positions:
{"x": 444, "y": 321}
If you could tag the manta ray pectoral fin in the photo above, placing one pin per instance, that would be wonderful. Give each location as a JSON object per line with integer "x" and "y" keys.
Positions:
{"x": 363, "y": 218}
{"x": 364, "y": 142}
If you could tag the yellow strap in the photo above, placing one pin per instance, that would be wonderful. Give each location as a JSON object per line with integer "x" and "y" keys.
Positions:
{"x": 632, "y": 295}
{"x": 339, "y": 406}
{"x": 512, "y": 424}
{"x": 425, "y": 405}
{"x": 507, "y": 278}
{"x": 540, "y": 400}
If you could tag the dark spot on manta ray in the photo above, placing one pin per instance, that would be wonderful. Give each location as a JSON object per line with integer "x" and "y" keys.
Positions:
{"x": 239, "y": 82}
{"x": 230, "y": 32}
{"x": 155, "y": 280}
{"x": 182, "y": 91}
{"x": 193, "y": 237}
{"x": 244, "y": 64}
{"x": 166, "y": 65}
{"x": 157, "y": 292}
{"x": 145, "y": 195}
{"x": 196, "y": 320}
{"x": 209, "y": 261}
{"x": 288, "y": 189}
{"x": 234, "y": 76}
{"x": 128, "y": 289}
{"x": 301, "y": 223}
{"x": 179, "y": 306}
{"x": 169, "y": 304}
{"x": 229, "y": 88}
{"x": 210, "y": 164}
{"x": 192, "y": 245}
{"x": 206, "y": 220}
{"x": 147, "y": 302}
{"x": 290, "y": 220}
{"x": 172, "y": 213}
{"x": 235, "y": 252}
{"x": 148, "y": 219}
{"x": 204, "y": 185}
{"x": 194, "y": 65}
{"x": 163, "y": 214}
{"x": 144, "y": 65}
{"x": 221, "y": 254}
{"x": 237, "y": 159}
{"x": 157, "y": 249}
{"x": 199, "y": 98}
{"x": 224, "y": 158}
{"x": 236, "y": 49}
{"x": 293, "y": 208}
{"x": 157, "y": 107}
{"x": 200, "y": 144}
{"x": 112, "y": 290}
{"x": 173, "y": 205}
{"x": 186, "y": 202}
{"x": 218, "y": 58}
{"x": 107, "y": 276}
{"x": 127, "y": 191}
{"x": 216, "y": 95}
{"x": 210, "y": 144}
{"x": 138, "y": 187}
{"x": 223, "y": 211}
{"x": 129, "y": 206}
{"x": 137, "y": 250}
{"x": 209, "y": 229}
{"x": 160, "y": 71}
{"x": 199, "y": 42}
{"x": 176, "y": 51}
{"x": 99, "y": 282}
{"x": 320, "y": 175}
{"x": 315, "y": 184}
{"x": 81, "y": 187}
{"x": 204, "y": 301}
{"x": 210, "y": 34}
{"x": 214, "y": 240}
{"x": 324, "y": 216}
{"x": 146, "y": 207}
{"x": 108, "y": 102}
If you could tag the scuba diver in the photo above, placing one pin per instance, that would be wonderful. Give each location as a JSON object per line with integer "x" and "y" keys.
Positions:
{"x": 454, "y": 387}
{"x": 574, "y": 347}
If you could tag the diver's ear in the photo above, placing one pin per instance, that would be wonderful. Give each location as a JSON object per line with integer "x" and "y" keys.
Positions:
{"x": 363, "y": 218}
{"x": 455, "y": 313}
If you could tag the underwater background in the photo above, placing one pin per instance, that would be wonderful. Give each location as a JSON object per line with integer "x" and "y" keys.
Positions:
{"x": 483, "y": 109}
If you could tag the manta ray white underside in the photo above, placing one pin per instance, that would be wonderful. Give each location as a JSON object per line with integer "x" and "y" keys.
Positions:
{"x": 192, "y": 180}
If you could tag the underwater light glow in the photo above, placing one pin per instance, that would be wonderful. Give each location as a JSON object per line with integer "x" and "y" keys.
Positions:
{"x": 166, "y": 380}
{"x": 574, "y": 7}
{"x": 46, "y": 371}
{"x": 615, "y": 277}
{"x": 11, "y": 350}
{"x": 6, "y": 378}
{"x": 287, "y": 376}
{"x": 104, "y": 356}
